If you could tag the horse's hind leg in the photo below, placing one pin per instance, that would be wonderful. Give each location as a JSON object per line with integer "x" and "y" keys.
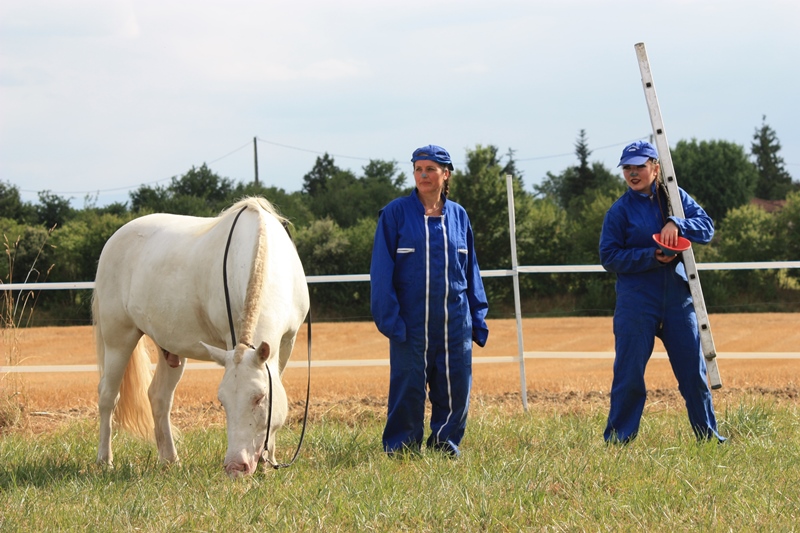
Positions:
{"x": 161, "y": 394}
{"x": 115, "y": 361}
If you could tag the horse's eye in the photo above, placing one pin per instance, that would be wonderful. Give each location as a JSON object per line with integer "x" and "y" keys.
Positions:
{"x": 258, "y": 400}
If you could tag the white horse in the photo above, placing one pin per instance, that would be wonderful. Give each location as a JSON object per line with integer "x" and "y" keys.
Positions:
{"x": 161, "y": 275}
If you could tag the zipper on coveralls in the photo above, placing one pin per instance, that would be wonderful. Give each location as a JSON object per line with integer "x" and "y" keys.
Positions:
{"x": 654, "y": 199}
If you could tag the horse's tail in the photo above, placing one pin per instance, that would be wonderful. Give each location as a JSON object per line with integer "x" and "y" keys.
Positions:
{"x": 132, "y": 412}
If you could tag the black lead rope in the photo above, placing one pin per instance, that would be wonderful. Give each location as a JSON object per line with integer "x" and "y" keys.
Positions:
{"x": 225, "y": 277}
{"x": 276, "y": 466}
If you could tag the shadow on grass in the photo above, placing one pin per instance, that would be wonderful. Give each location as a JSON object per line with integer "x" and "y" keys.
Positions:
{"x": 45, "y": 472}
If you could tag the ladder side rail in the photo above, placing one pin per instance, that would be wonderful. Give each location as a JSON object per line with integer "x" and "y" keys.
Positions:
{"x": 671, "y": 183}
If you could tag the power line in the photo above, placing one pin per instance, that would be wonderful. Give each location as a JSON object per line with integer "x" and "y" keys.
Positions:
{"x": 307, "y": 150}
{"x": 625, "y": 143}
{"x": 312, "y": 151}
{"x": 245, "y": 145}
{"x": 115, "y": 189}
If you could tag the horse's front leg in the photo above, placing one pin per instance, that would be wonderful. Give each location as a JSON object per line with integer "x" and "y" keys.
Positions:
{"x": 161, "y": 394}
{"x": 280, "y": 410}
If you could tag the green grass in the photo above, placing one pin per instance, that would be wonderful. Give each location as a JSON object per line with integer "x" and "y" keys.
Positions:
{"x": 540, "y": 471}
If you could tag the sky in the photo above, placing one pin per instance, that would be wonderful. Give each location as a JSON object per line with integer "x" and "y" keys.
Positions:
{"x": 100, "y": 97}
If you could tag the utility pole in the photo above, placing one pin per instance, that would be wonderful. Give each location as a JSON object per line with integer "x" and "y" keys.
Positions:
{"x": 255, "y": 156}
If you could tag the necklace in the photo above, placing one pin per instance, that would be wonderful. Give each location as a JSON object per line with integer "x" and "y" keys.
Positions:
{"x": 436, "y": 209}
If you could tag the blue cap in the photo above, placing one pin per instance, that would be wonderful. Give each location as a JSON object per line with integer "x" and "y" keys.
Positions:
{"x": 432, "y": 153}
{"x": 637, "y": 153}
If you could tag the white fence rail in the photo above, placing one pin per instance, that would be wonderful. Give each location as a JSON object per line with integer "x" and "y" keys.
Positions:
{"x": 343, "y": 278}
{"x": 537, "y": 269}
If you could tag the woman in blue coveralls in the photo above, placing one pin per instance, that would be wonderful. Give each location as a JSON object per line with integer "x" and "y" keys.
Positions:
{"x": 653, "y": 298}
{"x": 427, "y": 297}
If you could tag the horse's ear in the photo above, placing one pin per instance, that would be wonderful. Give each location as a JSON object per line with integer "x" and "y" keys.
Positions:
{"x": 219, "y": 355}
{"x": 263, "y": 352}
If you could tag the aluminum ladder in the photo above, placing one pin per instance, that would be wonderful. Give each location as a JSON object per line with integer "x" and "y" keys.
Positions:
{"x": 671, "y": 183}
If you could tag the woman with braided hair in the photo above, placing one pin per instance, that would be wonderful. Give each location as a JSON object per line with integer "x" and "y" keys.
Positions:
{"x": 427, "y": 297}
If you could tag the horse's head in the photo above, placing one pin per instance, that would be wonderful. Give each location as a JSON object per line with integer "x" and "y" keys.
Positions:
{"x": 245, "y": 394}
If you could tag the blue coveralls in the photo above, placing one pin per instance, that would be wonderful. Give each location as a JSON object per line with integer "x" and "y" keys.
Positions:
{"x": 427, "y": 297}
{"x": 653, "y": 300}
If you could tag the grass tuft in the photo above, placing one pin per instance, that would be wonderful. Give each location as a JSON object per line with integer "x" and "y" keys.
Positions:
{"x": 15, "y": 312}
{"x": 751, "y": 420}
{"x": 11, "y": 413}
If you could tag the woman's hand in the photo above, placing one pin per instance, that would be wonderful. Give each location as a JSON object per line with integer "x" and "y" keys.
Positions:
{"x": 661, "y": 258}
{"x": 669, "y": 234}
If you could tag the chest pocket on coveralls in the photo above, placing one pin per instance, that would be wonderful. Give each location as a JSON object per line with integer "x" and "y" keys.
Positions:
{"x": 405, "y": 270}
{"x": 463, "y": 259}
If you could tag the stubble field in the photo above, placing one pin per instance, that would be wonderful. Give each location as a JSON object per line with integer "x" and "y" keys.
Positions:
{"x": 755, "y": 341}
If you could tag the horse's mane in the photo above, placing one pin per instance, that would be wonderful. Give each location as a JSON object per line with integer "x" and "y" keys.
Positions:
{"x": 252, "y": 303}
{"x": 254, "y": 203}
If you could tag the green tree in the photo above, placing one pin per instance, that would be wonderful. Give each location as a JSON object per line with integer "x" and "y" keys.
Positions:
{"x": 481, "y": 190}
{"x": 381, "y": 182}
{"x": 542, "y": 239}
{"x": 199, "y": 192}
{"x": 77, "y": 246}
{"x": 322, "y": 247}
{"x": 114, "y": 208}
{"x": 747, "y": 233}
{"x": 325, "y": 250}
{"x": 53, "y": 210}
{"x": 774, "y": 182}
{"x": 339, "y": 195}
{"x": 593, "y": 293}
{"x": 12, "y": 206}
{"x": 715, "y": 173}
{"x": 577, "y": 180}
{"x": 787, "y": 230}
{"x": 205, "y": 184}
{"x": 510, "y": 165}
{"x": 28, "y": 252}
{"x": 542, "y": 233}
{"x": 291, "y": 205}
{"x": 150, "y": 199}
{"x": 326, "y": 186}
{"x": 185, "y": 204}
{"x": 79, "y": 242}
{"x": 315, "y": 182}
{"x": 585, "y": 224}
{"x": 340, "y": 201}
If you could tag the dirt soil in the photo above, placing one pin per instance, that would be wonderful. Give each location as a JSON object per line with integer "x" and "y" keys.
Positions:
{"x": 551, "y": 383}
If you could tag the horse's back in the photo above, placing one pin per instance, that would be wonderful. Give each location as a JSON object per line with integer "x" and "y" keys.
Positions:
{"x": 163, "y": 274}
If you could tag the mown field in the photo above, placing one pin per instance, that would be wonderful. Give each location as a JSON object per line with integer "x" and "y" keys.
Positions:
{"x": 546, "y": 469}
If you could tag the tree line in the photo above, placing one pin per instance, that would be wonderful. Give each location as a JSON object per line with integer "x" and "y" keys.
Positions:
{"x": 334, "y": 217}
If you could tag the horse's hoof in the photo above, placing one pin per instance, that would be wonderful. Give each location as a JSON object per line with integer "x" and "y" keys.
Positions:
{"x": 167, "y": 464}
